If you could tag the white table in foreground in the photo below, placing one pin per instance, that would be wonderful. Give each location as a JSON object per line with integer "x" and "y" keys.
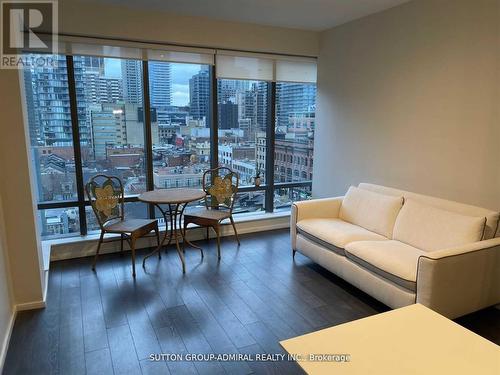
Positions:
{"x": 409, "y": 340}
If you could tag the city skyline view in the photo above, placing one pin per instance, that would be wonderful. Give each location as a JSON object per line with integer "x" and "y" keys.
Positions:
{"x": 109, "y": 99}
{"x": 180, "y": 72}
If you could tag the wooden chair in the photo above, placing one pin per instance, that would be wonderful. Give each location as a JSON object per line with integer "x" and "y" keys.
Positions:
{"x": 221, "y": 186}
{"x": 107, "y": 198}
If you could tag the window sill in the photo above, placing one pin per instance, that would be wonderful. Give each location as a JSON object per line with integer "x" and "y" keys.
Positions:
{"x": 81, "y": 246}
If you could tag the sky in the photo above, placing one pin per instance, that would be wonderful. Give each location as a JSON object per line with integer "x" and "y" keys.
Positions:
{"x": 181, "y": 73}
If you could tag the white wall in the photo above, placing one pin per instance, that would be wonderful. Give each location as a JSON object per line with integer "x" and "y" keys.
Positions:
{"x": 409, "y": 98}
{"x": 6, "y": 302}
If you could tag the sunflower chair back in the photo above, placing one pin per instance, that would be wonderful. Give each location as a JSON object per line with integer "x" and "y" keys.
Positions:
{"x": 106, "y": 198}
{"x": 221, "y": 186}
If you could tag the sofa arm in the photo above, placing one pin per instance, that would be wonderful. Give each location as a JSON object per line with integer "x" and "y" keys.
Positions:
{"x": 314, "y": 208}
{"x": 460, "y": 280}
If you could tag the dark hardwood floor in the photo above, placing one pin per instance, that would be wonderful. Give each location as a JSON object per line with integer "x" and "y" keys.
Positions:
{"x": 105, "y": 322}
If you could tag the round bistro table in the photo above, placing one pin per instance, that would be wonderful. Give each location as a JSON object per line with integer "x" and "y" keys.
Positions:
{"x": 175, "y": 201}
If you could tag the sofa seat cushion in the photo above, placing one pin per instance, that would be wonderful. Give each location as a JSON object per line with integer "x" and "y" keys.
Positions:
{"x": 393, "y": 260}
{"x": 372, "y": 211}
{"x": 335, "y": 234}
{"x": 430, "y": 228}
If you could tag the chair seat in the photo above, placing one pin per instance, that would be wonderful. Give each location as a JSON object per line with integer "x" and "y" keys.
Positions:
{"x": 208, "y": 214}
{"x": 128, "y": 225}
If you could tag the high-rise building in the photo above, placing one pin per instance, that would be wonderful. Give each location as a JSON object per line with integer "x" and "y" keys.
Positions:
{"x": 293, "y": 98}
{"x": 92, "y": 64}
{"x": 228, "y": 115}
{"x": 33, "y": 120}
{"x": 247, "y": 112}
{"x": 107, "y": 128}
{"x": 262, "y": 88}
{"x": 102, "y": 89}
{"x": 160, "y": 84}
{"x": 47, "y": 98}
{"x": 247, "y": 105}
{"x": 226, "y": 90}
{"x": 199, "y": 95}
{"x": 118, "y": 125}
{"x": 132, "y": 81}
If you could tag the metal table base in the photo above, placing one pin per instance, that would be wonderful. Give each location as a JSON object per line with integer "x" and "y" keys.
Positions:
{"x": 174, "y": 216}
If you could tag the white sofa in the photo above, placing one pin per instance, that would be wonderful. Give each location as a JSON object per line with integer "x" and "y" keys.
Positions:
{"x": 403, "y": 248}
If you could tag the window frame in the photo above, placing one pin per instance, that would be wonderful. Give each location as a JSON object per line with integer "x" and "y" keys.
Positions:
{"x": 82, "y": 202}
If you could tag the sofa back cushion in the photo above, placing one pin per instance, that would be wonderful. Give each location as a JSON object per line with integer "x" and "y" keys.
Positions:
{"x": 429, "y": 228}
{"x": 492, "y": 217}
{"x": 372, "y": 211}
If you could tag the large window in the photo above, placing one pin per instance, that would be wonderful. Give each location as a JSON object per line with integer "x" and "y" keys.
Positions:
{"x": 180, "y": 105}
{"x": 294, "y": 140}
{"x": 295, "y": 117}
{"x": 111, "y": 119}
{"x": 242, "y": 118}
{"x": 242, "y": 128}
{"x": 50, "y": 132}
{"x": 51, "y": 141}
{"x": 158, "y": 120}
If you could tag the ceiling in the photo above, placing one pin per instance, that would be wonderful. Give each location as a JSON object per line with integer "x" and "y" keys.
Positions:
{"x": 313, "y": 15}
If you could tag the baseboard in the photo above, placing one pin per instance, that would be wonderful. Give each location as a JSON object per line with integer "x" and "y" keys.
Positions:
{"x": 35, "y": 304}
{"x": 6, "y": 339}
{"x": 30, "y": 306}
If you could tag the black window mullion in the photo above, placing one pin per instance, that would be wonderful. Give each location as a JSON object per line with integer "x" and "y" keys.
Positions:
{"x": 76, "y": 145}
{"x": 270, "y": 137}
{"x": 214, "y": 124}
{"x": 148, "y": 138}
